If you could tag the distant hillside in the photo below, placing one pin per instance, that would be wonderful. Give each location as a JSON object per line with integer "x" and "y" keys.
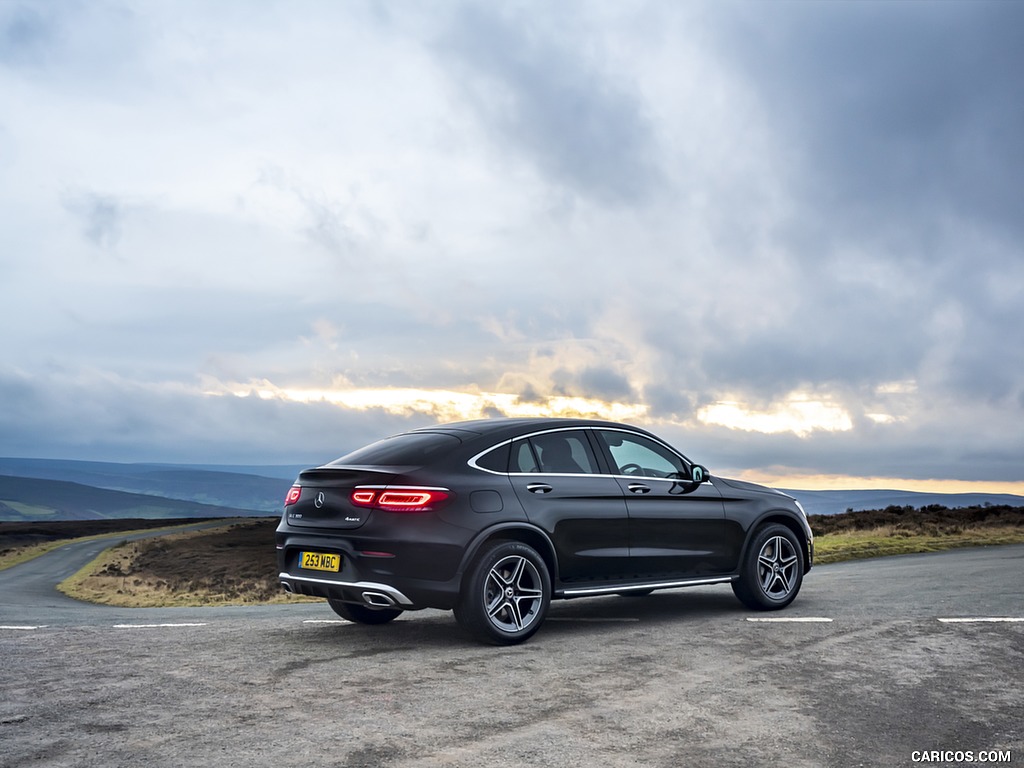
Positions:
{"x": 261, "y": 489}
{"x": 34, "y": 500}
{"x": 837, "y": 502}
{"x": 241, "y": 487}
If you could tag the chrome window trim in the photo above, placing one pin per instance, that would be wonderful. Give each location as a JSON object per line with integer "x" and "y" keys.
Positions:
{"x": 473, "y": 460}
{"x": 652, "y": 438}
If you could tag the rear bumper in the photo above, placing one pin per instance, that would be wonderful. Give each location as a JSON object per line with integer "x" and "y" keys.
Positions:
{"x": 366, "y": 592}
{"x": 407, "y": 576}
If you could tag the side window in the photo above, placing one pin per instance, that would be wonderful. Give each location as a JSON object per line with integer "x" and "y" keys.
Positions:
{"x": 636, "y": 455}
{"x": 523, "y": 459}
{"x": 564, "y": 453}
{"x": 495, "y": 459}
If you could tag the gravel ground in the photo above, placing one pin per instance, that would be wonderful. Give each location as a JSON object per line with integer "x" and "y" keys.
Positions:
{"x": 674, "y": 679}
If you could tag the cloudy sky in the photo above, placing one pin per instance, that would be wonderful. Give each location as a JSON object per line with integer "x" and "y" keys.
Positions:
{"x": 787, "y": 236}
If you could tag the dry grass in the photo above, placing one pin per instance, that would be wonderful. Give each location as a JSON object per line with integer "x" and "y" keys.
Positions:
{"x": 42, "y": 538}
{"x": 891, "y": 540}
{"x": 233, "y": 565}
{"x": 15, "y": 555}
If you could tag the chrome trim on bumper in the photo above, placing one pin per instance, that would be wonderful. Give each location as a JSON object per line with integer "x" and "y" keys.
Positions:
{"x": 651, "y": 585}
{"x": 363, "y": 586}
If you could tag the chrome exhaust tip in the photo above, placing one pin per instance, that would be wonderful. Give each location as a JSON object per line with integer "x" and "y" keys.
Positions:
{"x": 378, "y": 600}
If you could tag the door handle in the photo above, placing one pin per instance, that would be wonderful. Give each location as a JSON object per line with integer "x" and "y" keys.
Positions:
{"x": 539, "y": 488}
{"x": 638, "y": 488}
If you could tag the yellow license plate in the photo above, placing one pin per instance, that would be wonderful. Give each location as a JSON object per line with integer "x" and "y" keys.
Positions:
{"x": 319, "y": 561}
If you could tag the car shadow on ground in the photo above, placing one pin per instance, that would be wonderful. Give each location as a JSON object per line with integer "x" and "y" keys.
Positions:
{"x": 581, "y": 617}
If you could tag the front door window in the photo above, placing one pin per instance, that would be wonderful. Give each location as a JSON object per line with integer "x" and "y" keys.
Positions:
{"x": 637, "y": 456}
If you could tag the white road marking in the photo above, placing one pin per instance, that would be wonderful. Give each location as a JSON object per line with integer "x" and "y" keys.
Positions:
{"x": 984, "y": 620}
{"x": 154, "y": 626}
{"x": 790, "y": 620}
{"x": 324, "y": 621}
{"x": 11, "y": 626}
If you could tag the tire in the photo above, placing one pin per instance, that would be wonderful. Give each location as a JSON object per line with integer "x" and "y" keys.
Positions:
{"x": 505, "y": 595}
{"x": 772, "y": 569}
{"x": 362, "y": 614}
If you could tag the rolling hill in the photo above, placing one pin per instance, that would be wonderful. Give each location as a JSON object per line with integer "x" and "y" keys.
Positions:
{"x": 837, "y": 502}
{"x": 34, "y": 500}
{"x": 253, "y": 488}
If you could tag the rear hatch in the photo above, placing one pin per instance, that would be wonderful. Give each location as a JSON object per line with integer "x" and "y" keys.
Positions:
{"x": 324, "y": 496}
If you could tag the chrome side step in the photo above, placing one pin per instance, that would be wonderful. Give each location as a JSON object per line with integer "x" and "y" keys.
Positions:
{"x": 614, "y": 590}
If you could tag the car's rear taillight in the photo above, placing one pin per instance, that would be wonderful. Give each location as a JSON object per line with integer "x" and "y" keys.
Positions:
{"x": 293, "y": 495}
{"x": 363, "y": 498}
{"x": 399, "y": 499}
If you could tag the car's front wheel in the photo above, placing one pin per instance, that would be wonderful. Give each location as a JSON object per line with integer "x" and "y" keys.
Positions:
{"x": 506, "y": 594}
{"x": 772, "y": 570}
{"x": 362, "y": 614}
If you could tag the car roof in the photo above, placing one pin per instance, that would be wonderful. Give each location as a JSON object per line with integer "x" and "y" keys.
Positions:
{"x": 510, "y": 427}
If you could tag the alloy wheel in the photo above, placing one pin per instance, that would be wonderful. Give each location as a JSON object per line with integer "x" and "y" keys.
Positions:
{"x": 776, "y": 567}
{"x": 513, "y": 593}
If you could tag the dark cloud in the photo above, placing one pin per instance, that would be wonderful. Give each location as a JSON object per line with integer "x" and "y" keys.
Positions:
{"x": 898, "y": 113}
{"x": 606, "y": 384}
{"x": 537, "y": 95}
{"x": 837, "y": 334}
{"x": 111, "y": 419}
{"x": 25, "y": 35}
{"x": 598, "y": 382}
{"x": 666, "y": 401}
{"x": 100, "y": 215}
{"x": 924, "y": 450}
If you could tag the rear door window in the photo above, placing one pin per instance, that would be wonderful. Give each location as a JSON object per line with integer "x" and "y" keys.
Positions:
{"x": 560, "y": 453}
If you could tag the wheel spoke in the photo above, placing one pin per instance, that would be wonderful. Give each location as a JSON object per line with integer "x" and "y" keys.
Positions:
{"x": 515, "y": 613}
{"x": 493, "y": 602}
{"x": 498, "y": 609}
{"x": 500, "y": 578}
{"x": 517, "y": 573}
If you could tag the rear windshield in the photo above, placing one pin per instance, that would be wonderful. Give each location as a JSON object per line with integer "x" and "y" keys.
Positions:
{"x": 414, "y": 449}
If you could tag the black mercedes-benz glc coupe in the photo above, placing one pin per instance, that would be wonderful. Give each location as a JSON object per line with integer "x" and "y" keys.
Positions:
{"x": 494, "y": 519}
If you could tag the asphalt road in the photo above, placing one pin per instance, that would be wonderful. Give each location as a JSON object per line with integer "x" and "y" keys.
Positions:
{"x": 863, "y": 672}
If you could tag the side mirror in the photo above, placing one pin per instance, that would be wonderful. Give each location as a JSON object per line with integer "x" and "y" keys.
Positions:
{"x": 698, "y": 474}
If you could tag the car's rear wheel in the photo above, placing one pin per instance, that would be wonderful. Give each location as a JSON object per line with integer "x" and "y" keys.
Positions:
{"x": 772, "y": 570}
{"x": 362, "y": 614}
{"x": 505, "y": 595}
